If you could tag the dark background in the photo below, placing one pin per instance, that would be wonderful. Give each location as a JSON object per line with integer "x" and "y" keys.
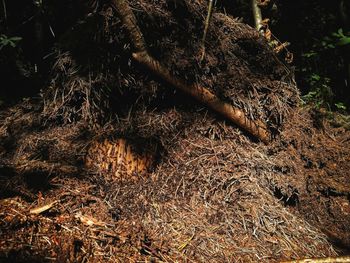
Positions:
{"x": 321, "y": 65}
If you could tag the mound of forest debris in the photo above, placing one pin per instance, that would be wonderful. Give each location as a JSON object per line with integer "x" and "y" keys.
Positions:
{"x": 112, "y": 162}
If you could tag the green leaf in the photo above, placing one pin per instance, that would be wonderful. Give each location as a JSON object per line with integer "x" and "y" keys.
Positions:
{"x": 340, "y": 32}
{"x": 315, "y": 77}
{"x": 15, "y": 39}
{"x": 8, "y": 41}
{"x": 344, "y": 41}
{"x": 340, "y": 106}
{"x": 309, "y": 54}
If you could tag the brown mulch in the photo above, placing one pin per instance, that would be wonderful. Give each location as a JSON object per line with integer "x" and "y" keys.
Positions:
{"x": 214, "y": 193}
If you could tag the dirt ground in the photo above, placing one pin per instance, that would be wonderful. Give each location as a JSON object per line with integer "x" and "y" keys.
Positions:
{"x": 207, "y": 191}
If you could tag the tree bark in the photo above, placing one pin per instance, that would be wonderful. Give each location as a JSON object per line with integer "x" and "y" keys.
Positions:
{"x": 237, "y": 116}
{"x": 129, "y": 21}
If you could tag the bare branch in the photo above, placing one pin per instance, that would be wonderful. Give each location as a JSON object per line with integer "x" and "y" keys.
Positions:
{"x": 237, "y": 116}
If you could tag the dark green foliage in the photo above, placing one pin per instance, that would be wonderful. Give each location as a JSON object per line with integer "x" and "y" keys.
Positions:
{"x": 8, "y": 41}
{"x": 319, "y": 40}
{"x": 319, "y": 35}
{"x": 29, "y": 30}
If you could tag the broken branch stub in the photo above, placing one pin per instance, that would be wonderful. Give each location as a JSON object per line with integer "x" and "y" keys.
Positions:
{"x": 202, "y": 94}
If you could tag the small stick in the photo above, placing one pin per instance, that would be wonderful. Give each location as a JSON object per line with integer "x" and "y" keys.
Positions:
{"x": 41, "y": 209}
{"x": 257, "y": 15}
{"x": 207, "y": 22}
{"x": 5, "y": 11}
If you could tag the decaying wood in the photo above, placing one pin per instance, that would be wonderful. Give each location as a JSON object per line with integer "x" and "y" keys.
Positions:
{"x": 88, "y": 220}
{"x": 41, "y": 209}
{"x": 202, "y": 94}
{"x": 119, "y": 158}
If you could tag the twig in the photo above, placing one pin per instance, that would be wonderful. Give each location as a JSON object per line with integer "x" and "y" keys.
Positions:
{"x": 257, "y": 15}
{"x": 5, "y": 11}
{"x": 207, "y": 22}
{"x": 41, "y": 209}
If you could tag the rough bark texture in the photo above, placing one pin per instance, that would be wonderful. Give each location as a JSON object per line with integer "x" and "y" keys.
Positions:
{"x": 129, "y": 21}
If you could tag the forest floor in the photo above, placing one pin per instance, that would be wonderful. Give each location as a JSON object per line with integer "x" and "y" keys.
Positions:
{"x": 212, "y": 194}
{"x": 110, "y": 163}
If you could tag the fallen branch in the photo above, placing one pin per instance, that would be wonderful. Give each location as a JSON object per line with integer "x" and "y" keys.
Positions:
{"x": 129, "y": 21}
{"x": 202, "y": 94}
{"x": 205, "y": 96}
